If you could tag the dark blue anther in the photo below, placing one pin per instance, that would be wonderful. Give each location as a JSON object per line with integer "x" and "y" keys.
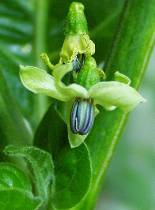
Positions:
{"x": 82, "y": 116}
{"x": 78, "y": 62}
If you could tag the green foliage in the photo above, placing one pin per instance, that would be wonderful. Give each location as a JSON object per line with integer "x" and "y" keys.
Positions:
{"x": 70, "y": 165}
{"x": 74, "y": 177}
{"x": 15, "y": 189}
{"x": 41, "y": 167}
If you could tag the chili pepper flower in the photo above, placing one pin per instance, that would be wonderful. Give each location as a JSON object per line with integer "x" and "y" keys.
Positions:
{"x": 87, "y": 89}
{"x": 81, "y": 100}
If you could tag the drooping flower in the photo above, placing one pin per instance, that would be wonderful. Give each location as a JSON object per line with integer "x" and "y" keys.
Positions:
{"x": 82, "y": 95}
{"x": 87, "y": 88}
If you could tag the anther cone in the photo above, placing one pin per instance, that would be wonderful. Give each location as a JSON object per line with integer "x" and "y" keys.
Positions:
{"x": 82, "y": 116}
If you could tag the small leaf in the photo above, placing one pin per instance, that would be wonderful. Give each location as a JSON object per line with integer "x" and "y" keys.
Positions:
{"x": 15, "y": 189}
{"x": 117, "y": 94}
{"x": 41, "y": 165}
{"x": 72, "y": 166}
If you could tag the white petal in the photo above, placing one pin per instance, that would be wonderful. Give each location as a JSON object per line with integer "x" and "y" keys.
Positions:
{"x": 39, "y": 81}
{"x": 73, "y": 90}
{"x": 115, "y": 94}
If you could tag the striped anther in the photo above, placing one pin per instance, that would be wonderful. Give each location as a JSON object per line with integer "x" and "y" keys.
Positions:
{"x": 78, "y": 62}
{"x": 82, "y": 116}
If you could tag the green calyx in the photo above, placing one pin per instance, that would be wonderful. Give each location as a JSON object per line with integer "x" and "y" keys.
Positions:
{"x": 76, "y": 20}
{"x": 89, "y": 74}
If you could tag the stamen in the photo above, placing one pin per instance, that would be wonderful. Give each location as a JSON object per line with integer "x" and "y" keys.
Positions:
{"x": 82, "y": 116}
{"x": 78, "y": 62}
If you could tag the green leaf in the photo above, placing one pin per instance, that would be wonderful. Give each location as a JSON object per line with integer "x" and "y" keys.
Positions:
{"x": 18, "y": 199}
{"x": 15, "y": 48}
{"x": 11, "y": 177}
{"x": 15, "y": 189}
{"x": 72, "y": 176}
{"x": 72, "y": 166}
{"x": 130, "y": 54}
{"x": 41, "y": 165}
{"x": 14, "y": 15}
{"x": 11, "y": 116}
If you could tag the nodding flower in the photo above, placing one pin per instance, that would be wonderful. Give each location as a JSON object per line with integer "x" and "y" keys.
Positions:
{"x": 82, "y": 95}
{"x": 87, "y": 89}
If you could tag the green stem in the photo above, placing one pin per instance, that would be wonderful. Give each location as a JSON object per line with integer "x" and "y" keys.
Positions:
{"x": 39, "y": 47}
{"x": 130, "y": 54}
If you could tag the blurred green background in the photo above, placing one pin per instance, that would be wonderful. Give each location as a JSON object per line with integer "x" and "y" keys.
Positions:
{"x": 130, "y": 181}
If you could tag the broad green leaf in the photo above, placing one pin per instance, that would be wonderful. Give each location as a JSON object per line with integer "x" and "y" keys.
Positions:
{"x": 72, "y": 166}
{"x": 13, "y": 16}
{"x": 72, "y": 176}
{"x": 15, "y": 189}
{"x": 12, "y": 124}
{"x": 41, "y": 165}
{"x": 131, "y": 58}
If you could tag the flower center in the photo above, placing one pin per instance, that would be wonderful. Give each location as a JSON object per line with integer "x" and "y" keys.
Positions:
{"x": 82, "y": 116}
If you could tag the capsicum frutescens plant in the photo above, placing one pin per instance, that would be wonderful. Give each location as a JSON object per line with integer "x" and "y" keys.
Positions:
{"x": 87, "y": 89}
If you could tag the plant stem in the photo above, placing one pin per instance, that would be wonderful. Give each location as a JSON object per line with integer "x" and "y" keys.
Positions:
{"x": 130, "y": 54}
{"x": 39, "y": 47}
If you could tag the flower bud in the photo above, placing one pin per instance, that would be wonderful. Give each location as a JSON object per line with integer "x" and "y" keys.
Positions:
{"x": 82, "y": 116}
